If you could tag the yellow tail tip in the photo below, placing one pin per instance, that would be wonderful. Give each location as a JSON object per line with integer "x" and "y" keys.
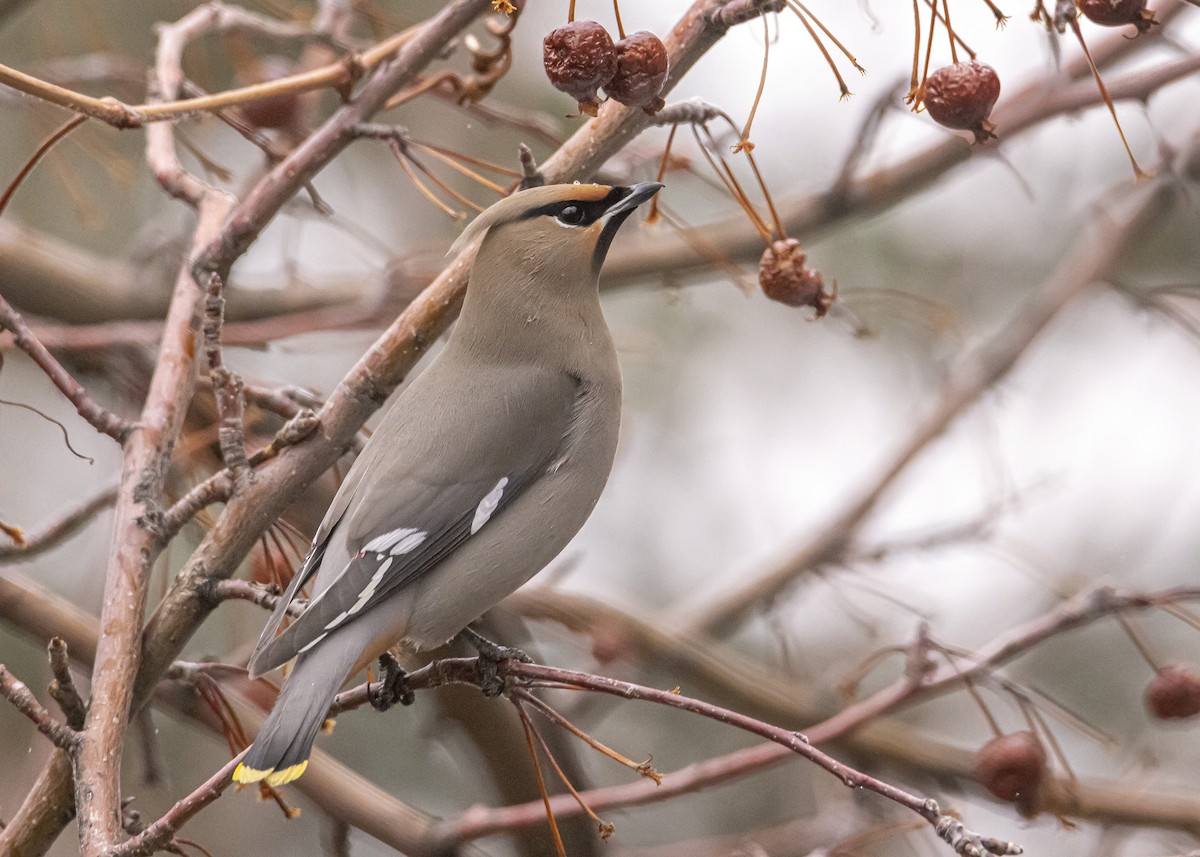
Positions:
{"x": 278, "y": 778}
{"x": 242, "y": 774}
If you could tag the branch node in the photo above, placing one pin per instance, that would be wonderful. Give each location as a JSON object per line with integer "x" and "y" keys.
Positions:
{"x": 298, "y": 428}
{"x": 966, "y": 842}
{"x": 740, "y": 11}
{"x": 533, "y": 176}
{"x": 22, "y": 698}
{"x": 62, "y": 686}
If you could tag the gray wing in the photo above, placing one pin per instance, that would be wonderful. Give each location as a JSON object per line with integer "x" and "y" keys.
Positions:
{"x": 424, "y": 499}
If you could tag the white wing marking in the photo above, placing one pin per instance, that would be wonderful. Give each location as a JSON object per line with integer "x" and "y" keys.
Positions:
{"x": 364, "y": 596}
{"x": 396, "y": 542}
{"x": 488, "y": 505}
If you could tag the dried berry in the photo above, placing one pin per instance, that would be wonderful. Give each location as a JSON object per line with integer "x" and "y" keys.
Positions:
{"x": 783, "y": 277}
{"x": 962, "y": 95}
{"x": 1173, "y": 693}
{"x": 1012, "y": 767}
{"x": 579, "y": 59}
{"x": 641, "y": 71}
{"x": 277, "y": 111}
{"x": 1117, "y": 13}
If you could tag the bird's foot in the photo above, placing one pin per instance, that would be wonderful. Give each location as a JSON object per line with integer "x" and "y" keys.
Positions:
{"x": 393, "y": 685}
{"x": 490, "y": 655}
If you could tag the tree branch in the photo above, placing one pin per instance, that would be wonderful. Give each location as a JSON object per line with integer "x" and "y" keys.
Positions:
{"x": 136, "y": 544}
{"x": 101, "y": 419}
{"x": 1088, "y": 263}
{"x": 58, "y": 531}
{"x": 22, "y": 698}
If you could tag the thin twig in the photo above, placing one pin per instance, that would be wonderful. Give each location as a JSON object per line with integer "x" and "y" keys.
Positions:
{"x": 22, "y": 698}
{"x": 104, "y": 421}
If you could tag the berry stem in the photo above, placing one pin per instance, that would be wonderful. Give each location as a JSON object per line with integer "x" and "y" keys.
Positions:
{"x": 1043, "y": 729}
{"x": 1112, "y": 109}
{"x": 541, "y": 782}
{"x": 730, "y": 180}
{"x": 957, "y": 38}
{"x": 914, "y": 84}
{"x": 832, "y": 37}
{"x": 617, "y": 12}
{"x": 762, "y": 186}
{"x": 1182, "y": 614}
{"x": 1138, "y": 641}
{"x": 971, "y": 688}
{"x": 795, "y": 7}
{"x": 933, "y": 19}
{"x": 744, "y": 144}
{"x": 1001, "y": 18}
{"x": 949, "y": 29}
{"x": 652, "y": 214}
{"x": 571, "y": 12}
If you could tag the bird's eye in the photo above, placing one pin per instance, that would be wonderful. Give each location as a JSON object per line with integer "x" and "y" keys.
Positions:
{"x": 571, "y": 215}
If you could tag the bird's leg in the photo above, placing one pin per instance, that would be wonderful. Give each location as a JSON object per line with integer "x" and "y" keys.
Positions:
{"x": 490, "y": 654}
{"x": 393, "y": 685}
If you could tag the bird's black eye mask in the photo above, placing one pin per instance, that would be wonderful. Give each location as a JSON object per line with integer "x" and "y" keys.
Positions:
{"x": 581, "y": 212}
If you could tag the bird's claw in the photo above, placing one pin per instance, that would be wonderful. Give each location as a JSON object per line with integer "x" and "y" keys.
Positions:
{"x": 493, "y": 651}
{"x": 490, "y": 656}
{"x": 393, "y": 685}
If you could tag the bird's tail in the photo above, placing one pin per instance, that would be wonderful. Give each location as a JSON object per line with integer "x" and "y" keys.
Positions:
{"x": 280, "y": 752}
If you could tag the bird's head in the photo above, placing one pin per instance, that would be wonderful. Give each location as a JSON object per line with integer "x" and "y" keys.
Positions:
{"x": 566, "y": 226}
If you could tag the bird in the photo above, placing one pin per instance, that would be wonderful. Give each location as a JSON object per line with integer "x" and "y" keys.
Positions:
{"x": 480, "y": 473}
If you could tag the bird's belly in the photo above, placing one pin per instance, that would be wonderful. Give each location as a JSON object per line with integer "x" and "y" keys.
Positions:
{"x": 510, "y": 549}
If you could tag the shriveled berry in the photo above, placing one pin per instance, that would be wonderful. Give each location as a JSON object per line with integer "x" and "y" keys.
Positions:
{"x": 1117, "y": 13}
{"x": 1173, "y": 693}
{"x": 962, "y": 95}
{"x": 1012, "y": 767}
{"x": 579, "y": 59}
{"x": 783, "y": 277}
{"x": 641, "y": 71}
{"x": 278, "y": 111}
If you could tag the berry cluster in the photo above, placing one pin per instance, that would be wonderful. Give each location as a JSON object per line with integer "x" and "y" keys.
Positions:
{"x": 581, "y": 58}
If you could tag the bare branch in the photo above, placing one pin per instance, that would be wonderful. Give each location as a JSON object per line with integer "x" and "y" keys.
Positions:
{"x": 22, "y": 698}
{"x": 136, "y": 544}
{"x": 59, "y": 530}
{"x": 62, "y": 688}
{"x": 102, "y": 420}
{"x": 1091, "y": 260}
{"x": 228, "y": 387}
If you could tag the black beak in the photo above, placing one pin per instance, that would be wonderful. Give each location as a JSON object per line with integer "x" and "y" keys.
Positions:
{"x": 631, "y": 198}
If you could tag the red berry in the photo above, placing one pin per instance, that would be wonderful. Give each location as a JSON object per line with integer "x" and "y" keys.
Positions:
{"x": 1117, "y": 13}
{"x": 1173, "y": 693}
{"x": 1012, "y": 767}
{"x": 641, "y": 71}
{"x": 579, "y": 59}
{"x": 962, "y": 95}
{"x": 783, "y": 277}
{"x": 278, "y": 111}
